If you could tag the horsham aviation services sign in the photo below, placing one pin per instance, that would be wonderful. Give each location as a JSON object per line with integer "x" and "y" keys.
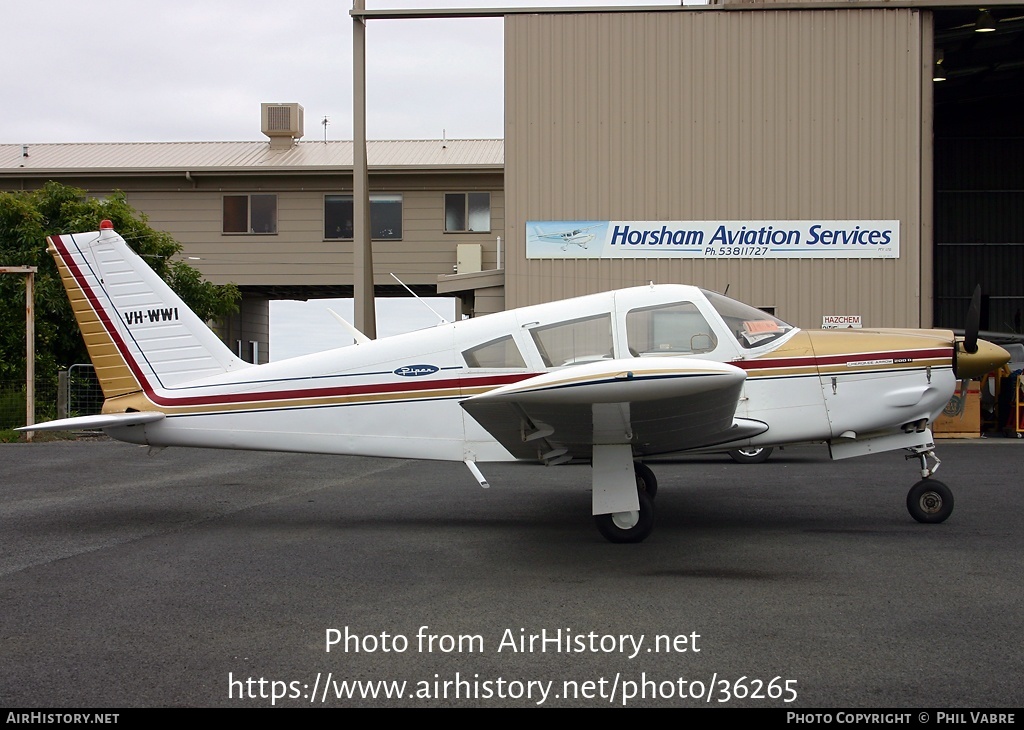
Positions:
{"x": 712, "y": 239}
{"x": 840, "y": 321}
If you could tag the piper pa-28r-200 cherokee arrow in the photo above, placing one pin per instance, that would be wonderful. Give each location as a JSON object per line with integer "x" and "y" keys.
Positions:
{"x": 609, "y": 378}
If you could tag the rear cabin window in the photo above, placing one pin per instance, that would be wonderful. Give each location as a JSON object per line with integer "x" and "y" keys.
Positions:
{"x": 574, "y": 342}
{"x": 499, "y": 353}
{"x": 673, "y": 329}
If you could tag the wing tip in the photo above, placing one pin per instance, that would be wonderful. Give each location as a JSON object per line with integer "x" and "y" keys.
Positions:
{"x": 99, "y": 421}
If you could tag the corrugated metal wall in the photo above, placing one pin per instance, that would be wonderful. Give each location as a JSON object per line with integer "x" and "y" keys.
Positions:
{"x": 712, "y": 115}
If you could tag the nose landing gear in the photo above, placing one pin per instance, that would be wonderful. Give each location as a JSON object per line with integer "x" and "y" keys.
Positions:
{"x": 929, "y": 501}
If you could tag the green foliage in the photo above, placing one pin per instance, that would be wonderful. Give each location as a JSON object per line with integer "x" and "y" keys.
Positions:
{"x": 12, "y": 408}
{"x": 26, "y": 219}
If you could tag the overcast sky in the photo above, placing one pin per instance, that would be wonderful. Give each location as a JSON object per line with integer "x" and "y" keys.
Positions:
{"x": 198, "y": 70}
{"x": 195, "y": 70}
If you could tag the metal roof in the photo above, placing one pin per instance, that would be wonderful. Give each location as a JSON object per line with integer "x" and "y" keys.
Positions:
{"x": 154, "y": 157}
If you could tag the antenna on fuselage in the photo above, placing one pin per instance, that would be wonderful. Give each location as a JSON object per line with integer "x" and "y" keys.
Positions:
{"x": 443, "y": 320}
{"x": 355, "y": 334}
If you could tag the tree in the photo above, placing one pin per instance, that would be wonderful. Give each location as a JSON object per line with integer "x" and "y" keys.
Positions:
{"x": 26, "y": 219}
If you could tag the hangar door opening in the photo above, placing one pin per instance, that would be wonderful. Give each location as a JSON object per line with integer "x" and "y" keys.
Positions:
{"x": 979, "y": 165}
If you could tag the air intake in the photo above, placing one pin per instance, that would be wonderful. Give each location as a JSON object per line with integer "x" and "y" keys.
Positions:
{"x": 282, "y": 123}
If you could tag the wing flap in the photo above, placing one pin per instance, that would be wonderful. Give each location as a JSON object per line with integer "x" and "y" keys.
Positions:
{"x": 658, "y": 405}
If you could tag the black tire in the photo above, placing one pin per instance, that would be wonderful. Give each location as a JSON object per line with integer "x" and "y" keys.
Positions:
{"x": 751, "y": 454}
{"x": 930, "y": 501}
{"x": 645, "y": 479}
{"x": 614, "y": 527}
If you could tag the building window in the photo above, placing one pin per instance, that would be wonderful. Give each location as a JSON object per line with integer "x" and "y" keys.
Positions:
{"x": 250, "y": 213}
{"x": 385, "y": 217}
{"x": 467, "y": 212}
{"x": 338, "y": 216}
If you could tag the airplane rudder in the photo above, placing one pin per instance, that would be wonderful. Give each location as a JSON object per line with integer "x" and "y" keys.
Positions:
{"x": 115, "y": 375}
{"x": 163, "y": 342}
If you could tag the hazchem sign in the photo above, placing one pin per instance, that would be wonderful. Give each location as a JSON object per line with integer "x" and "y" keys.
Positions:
{"x": 712, "y": 239}
{"x": 840, "y": 321}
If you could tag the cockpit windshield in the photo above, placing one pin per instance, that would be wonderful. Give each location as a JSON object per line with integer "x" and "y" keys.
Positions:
{"x": 750, "y": 326}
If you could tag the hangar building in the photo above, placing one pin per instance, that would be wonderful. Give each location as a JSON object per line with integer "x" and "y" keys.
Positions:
{"x": 745, "y": 114}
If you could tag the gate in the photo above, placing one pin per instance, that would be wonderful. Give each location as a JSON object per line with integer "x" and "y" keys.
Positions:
{"x": 84, "y": 397}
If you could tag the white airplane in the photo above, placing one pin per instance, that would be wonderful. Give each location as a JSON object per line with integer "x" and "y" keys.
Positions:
{"x": 574, "y": 237}
{"x": 611, "y": 378}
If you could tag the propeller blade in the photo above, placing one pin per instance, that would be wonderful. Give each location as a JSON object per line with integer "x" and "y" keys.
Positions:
{"x": 973, "y": 322}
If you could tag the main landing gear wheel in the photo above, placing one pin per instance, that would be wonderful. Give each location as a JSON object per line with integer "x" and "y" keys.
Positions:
{"x": 645, "y": 479}
{"x": 628, "y": 526}
{"x": 751, "y": 454}
{"x": 930, "y": 501}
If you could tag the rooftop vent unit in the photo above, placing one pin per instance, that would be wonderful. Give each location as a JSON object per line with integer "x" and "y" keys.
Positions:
{"x": 282, "y": 123}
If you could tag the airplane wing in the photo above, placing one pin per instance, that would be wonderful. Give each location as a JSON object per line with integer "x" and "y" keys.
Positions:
{"x": 89, "y": 423}
{"x": 657, "y": 405}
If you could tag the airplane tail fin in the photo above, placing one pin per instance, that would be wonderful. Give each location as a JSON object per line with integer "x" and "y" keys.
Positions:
{"x": 139, "y": 334}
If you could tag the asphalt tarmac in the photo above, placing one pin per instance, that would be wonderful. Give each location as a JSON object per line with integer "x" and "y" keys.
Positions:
{"x": 220, "y": 579}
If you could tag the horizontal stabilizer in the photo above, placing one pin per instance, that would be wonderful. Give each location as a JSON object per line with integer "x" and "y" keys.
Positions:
{"x": 92, "y": 423}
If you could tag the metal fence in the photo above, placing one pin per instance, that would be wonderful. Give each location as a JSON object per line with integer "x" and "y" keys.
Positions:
{"x": 83, "y": 394}
{"x": 75, "y": 392}
{"x": 12, "y": 402}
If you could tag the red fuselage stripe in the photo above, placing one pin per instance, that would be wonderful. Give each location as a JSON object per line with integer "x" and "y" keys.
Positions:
{"x": 845, "y": 359}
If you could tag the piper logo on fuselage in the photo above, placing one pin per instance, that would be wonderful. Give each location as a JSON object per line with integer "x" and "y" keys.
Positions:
{"x": 415, "y": 371}
{"x": 151, "y": 316}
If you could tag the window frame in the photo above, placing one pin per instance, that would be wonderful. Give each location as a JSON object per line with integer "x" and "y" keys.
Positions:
{"x": 466, "y": 208}
{"x": 510, "y": 347}
{"x": 588, "y": 352}
{"x": 643, "y": 324}
{"x": 249, "y": 230}
{"x": 374, "y": 197}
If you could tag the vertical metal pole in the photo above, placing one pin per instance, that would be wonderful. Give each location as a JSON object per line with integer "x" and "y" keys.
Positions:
{"x": 30, "y": 341}
{"x": 30, "y": 352}
{"x": 63, "y": 388}
{"x": 926, "y": 183}
{"x": 362, "y": 253}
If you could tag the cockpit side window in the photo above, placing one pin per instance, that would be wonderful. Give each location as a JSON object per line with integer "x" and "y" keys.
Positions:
{"x": 670, "y": 329}
{"x": 576, "y": 341}
{"x": 500, "y": 353}
{"x": 751, "y": 327}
